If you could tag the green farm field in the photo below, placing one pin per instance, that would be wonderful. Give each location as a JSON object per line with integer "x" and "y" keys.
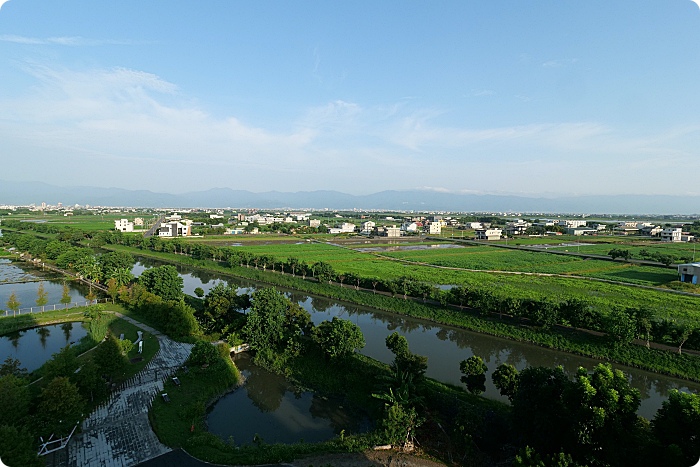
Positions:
{"x": 501, "y": 259}
{"x": 603, "y": 296}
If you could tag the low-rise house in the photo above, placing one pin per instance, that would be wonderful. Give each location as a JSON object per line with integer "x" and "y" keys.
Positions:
{"x": 689, "y": 272}
{"x": 433, "y": 228}
{"x": 368, "y": 227}
{"x": 175, "y": 229}
{"x": 409, "y": 227}
{"x": 345, "y": 227}
{"x": 314, "y": 223}
{"x": 392, "y": 231}
{"x": 571, "y": 224}
{"x": 517, "y": 227}
{"x": 671, "y": 234}
{"x": 123, "y": 225}
{"x": 488, "y": 234}
{"x": 582, "y": 231}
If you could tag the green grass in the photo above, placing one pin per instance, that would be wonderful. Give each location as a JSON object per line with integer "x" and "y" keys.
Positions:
{"x": 173, "y": 421}
{"x": 602, "y": 296}
{"x": 11, "y": 324}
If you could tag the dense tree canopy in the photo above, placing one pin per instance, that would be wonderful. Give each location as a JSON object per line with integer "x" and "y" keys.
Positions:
{"x": 163, "y": 281}
{"x": 338, "y": 338}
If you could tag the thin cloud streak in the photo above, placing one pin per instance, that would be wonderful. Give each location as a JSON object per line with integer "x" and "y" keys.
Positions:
{"x": 71, "y": 41}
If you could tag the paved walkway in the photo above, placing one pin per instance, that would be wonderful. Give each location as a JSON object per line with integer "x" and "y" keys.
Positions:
{"x": 118, "y": 433}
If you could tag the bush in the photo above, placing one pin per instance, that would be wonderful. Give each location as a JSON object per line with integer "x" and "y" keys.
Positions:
{"x": 203, "y": 353}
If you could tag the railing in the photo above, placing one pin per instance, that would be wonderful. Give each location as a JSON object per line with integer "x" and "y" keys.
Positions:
{"x": 58, "y": 306}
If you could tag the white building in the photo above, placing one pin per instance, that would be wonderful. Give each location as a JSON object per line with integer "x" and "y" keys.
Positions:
{"x": 368, "y": 227}
{"x": 571, "y": 224}
{"x": 517, "y": 227}
{"x": 488, "y": 234}
{"x": 123, "y": 225}
{"x": 314, "y": 223}
{"x": 392, "y": 231}
{"x": 434, "y": 228}
{"x": 409, "y": 227}
{"x": 175, "y": 229}
{"x": 345, "y": 227}
{"x": 671, "y": 234}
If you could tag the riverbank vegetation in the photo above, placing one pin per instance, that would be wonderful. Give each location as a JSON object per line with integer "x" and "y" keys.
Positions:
{"x": 616, "y": 347}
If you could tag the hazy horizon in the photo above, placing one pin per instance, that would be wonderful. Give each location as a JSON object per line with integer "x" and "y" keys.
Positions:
{"x": 506, "y": 97}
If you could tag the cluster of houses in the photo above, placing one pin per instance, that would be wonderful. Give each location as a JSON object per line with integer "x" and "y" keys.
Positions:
{"x": 175, "y": 226}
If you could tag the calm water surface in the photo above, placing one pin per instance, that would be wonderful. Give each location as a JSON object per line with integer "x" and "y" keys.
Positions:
{"x": 33, "y": 347}
{"x": 26, "y": 292}
{"x": 269, "y": 407}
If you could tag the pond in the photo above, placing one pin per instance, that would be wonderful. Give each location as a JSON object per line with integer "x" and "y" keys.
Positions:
{"x": 269, "y": 409}
{"x": 34, "y": 347}
{"x": 23, "y": 279}
{"x": 446, "y": 346}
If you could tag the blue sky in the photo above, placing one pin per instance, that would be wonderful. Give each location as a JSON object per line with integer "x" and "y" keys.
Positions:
{"x": 528, "y": 97}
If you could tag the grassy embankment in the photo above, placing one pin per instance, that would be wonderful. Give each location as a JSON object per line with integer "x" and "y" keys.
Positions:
{"x": 581, "y": 343}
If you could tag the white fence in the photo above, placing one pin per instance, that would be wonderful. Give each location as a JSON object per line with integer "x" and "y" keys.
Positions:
{"x": 58, "y": 306}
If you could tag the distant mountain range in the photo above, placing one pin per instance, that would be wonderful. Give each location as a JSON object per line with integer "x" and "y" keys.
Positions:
{"x": 25, "y": 193}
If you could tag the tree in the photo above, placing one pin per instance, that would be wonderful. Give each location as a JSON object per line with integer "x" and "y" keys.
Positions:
{"x": 411, "y": 365}
{"x": 65, "y": 295}
{"x": 62, "y": 363}
{"x": 677, "y": 427}
{"x": 323, "y": 271}
{"x": 12, "y": 303}
{"x": 14, "y": 400}
{"x": 42, "y": 297}
{"x": 505, "y": 378}
{"x": 338, "y": 338}
{"x": 163, "y": 281}
{"x": 12, "y": 366}
{"x": 203, "y": 353}
{"x": 199, "y": 292}
{"x": 122, "y": 276}
{"x": 108, "y": 357}
{"x": 17, "y": 447}
{"x": 112, "y": 288}
{"x": 621, "y": 326}
{"x": 60, "y": 407}
{"x": 474, "y": 374}
{"x": 264, "y": 328}
{"x": 89, "y": 381}
{"x": 592, "y": 417}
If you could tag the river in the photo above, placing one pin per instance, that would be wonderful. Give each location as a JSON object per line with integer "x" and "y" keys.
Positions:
{"x": 444, "y": 346}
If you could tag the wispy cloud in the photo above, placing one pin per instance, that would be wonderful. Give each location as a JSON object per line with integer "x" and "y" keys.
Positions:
{"x": 560, "y": 63}
{"x": 71, "y": 41}
{"x": 482, "y": 92}
{"x": 112, "y": 119}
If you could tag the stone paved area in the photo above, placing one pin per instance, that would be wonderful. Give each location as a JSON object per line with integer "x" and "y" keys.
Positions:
{"x": 118, "y": 434}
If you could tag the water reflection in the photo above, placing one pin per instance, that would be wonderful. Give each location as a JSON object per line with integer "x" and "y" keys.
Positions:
{"x": 447, "y": 346}
{"x": 277, "y": 412}
{"x": 33, "y": 347}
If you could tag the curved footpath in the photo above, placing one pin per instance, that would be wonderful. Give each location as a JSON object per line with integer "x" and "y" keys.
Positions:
{"x": 118, "y": 433}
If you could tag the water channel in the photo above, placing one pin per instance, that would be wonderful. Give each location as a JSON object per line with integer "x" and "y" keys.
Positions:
{"x": 444, "y": 346}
